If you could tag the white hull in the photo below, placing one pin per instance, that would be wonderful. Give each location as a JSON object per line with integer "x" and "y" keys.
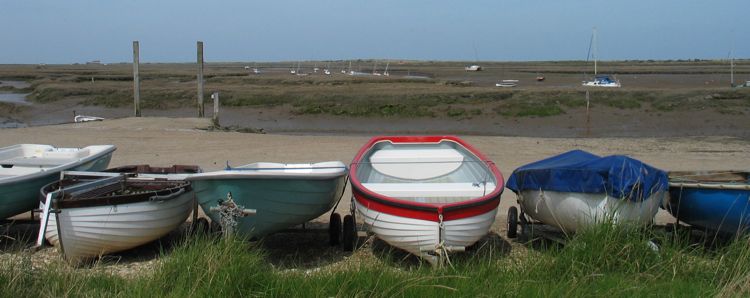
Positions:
{"x": 571, "y": 211}
{"x": 94, "y": 231}
{"x": 606, "y": 85}
{"x": 506, "y": 85}
{"x": 423, "y": 237}
{"x": 82, "y": 118}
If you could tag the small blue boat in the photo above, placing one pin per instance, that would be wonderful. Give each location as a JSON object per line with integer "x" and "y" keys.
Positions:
{"x": 262, "y": 198}
{"x": 716, "y": 201}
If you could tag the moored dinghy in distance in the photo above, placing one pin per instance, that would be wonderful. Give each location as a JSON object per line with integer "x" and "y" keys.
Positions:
{"x": 578, "y": 189}
{"x": 102, "y": 213}
{"x": 84, "y": 118}
{"x": 427, "y": 195}
{"x": 25, "y": 168}
{"x": 263, "y": 198}
{"x": 716, "y": 201}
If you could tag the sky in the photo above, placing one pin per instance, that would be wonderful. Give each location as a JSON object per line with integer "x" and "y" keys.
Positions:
{"x": 70, "y": 31}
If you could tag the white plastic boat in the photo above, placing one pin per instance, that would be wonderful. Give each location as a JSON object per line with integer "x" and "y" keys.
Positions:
{"x": 571, "y": 211}
{"x": 602, "y": 81}
{"x": 84, "y": 118}
{"x": 25, "y": 168}
{"x": 426, "y": 195}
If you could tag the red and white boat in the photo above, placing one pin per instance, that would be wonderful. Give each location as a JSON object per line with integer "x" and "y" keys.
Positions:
{"x": 428, "y": 195}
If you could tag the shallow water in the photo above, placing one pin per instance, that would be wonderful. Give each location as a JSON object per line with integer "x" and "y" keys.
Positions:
{"x": 15, "y": 84}
{"x": 11, "y": 123}
{"x": 16, "y": 98}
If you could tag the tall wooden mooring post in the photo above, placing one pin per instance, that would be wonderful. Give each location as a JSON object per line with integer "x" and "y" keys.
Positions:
{"x": 200, "y": 79}
{"x": 136, "y": 80}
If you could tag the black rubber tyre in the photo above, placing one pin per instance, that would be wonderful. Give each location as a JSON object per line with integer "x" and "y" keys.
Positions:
{"x": 334, "y": 229}
{"x": 200, "y": 226}
{"x": 350, "y": 233}
{"x": 214, "y": 227}
{"x": 512, "y": 222}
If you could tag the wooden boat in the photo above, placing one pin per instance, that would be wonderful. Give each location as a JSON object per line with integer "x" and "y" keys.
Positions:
{"x": 25, "y": 168}
{"x": 175, "y": 172}
{"x": 578, "y": 189}
{"x": 94, "y": 214}
{"x": 263, "y": 198}
{"x": 427, "y": 195}
{"x": 716, "y": 201}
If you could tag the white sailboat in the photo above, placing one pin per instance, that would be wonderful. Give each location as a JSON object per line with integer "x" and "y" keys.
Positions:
{"x": 600, "y": 80}
{"x": 375, "y": 69}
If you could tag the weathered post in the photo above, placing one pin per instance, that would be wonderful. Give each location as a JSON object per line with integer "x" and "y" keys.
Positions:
{"x": 200, "y": 79}
{"x": 588, "y": 115}
{"x": 215, "y": 97}
{"x": 136, "y": 80}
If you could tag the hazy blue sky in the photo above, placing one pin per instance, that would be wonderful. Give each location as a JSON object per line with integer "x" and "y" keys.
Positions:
{"x": 54, "y": 31}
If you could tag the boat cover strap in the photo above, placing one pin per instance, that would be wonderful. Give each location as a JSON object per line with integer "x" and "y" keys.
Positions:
{"x": 579, "y": 171}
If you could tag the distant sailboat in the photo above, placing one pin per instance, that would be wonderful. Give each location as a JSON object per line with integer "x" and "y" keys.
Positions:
{"x": 385, "y": 73}
{"x": 599, "y": 80}
{"x": 375, "y": 69}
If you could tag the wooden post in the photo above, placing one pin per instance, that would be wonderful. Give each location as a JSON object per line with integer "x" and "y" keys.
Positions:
{"x": 200, "y": 79}
{"x": 136, "y": 80}
{"x": 588, "y": 115}
{"x": 215, "y": 97}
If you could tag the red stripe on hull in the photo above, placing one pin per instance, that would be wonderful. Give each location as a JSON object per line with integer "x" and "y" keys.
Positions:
{"x": 432, "y": 214}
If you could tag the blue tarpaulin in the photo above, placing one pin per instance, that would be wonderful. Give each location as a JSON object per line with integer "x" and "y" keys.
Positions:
{"x": 579, "y": 171}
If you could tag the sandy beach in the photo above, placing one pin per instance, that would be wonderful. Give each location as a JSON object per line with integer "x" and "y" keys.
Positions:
{"x": 166, "y": 141}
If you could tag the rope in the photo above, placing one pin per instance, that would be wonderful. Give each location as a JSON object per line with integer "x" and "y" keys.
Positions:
{"x": 441, "y": 249}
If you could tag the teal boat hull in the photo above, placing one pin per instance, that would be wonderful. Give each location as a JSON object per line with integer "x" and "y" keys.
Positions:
{"x": 23, "y": 196}
{"x": 280, "y": 203}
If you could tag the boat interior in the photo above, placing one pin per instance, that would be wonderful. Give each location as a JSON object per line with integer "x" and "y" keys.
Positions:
{"x": 25, "y": 159}
{"x": 738, "y": 177}
{"x": 425, "y": 173}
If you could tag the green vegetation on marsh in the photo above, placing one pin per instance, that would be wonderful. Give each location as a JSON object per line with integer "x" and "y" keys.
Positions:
{"x": 450, "y": 93}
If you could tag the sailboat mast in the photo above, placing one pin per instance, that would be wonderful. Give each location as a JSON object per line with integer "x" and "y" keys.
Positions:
{"x": 595, "y": 52}
{"x": 731, "y": 67}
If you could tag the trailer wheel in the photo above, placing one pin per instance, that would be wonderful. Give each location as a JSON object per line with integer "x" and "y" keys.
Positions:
{"x": 350, "y": 233}
{"x": 512, "y": 222}
{"x": 215, "y": 227}
{"x": 334, "y": 229}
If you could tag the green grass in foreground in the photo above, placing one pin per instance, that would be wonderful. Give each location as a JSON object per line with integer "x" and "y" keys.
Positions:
{"x": 604, "y": 261}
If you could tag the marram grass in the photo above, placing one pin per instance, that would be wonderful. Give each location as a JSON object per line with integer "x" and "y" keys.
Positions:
{"x": 602, "y": 261}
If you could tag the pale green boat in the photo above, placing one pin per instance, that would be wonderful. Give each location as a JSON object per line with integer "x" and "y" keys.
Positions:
{"x": 25, "y": 168}
{"x": 273, "y": 196}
